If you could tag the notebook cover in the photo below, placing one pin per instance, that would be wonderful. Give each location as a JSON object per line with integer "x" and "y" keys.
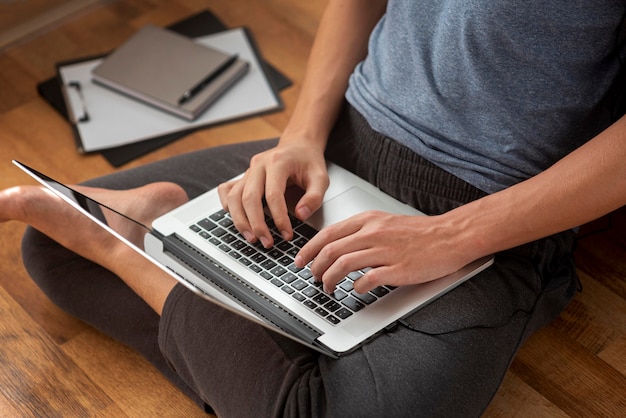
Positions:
{"x": 169, "y": 71}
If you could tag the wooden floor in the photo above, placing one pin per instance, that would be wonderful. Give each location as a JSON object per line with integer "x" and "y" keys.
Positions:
{"x": 53, "y": 365}
{"x": 23, "y": 19}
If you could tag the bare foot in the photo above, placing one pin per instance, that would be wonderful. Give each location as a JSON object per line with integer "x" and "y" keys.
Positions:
{"x": 46, "y": 212}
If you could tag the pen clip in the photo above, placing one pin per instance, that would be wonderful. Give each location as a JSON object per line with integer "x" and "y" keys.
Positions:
{"x": 195, "y": 90}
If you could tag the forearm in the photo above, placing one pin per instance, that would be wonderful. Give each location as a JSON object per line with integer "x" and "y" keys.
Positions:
{"x": 585, "y": 185}
{"x": 340, "y": 43}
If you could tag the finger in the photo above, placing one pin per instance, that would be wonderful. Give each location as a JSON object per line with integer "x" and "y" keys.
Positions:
{"x": 237, "y": 212}
{"x": 374, "y": 278}
{"x": 252, "y": 201}
{"x": 275, "y": 186}
{"x": 322, "y": 240}
{"x": 223, "y": 191}
{"x": 343, "y": 266}
{"x": 313, "y": 196}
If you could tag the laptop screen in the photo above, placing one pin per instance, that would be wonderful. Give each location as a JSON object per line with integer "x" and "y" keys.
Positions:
{"x": 130, "y": 230}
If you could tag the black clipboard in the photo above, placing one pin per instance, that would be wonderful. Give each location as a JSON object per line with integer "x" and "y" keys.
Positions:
{"x": 200, "y": 24}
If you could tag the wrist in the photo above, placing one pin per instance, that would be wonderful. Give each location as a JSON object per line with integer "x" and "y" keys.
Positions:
{"x": 314, "y": 139}
{"x": 470, "y": 234}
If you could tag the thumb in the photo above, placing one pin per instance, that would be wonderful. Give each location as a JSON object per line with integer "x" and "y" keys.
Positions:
{"x": 312, "y": 198}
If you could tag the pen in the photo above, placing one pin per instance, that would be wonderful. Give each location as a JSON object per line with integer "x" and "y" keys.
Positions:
{"x": 192, "y": 92}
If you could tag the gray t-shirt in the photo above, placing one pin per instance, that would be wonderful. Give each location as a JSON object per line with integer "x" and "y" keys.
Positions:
{"x": 491, "y": 91}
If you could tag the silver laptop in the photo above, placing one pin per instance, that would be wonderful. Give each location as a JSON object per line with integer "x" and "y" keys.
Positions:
{"x": 198, "y": 245}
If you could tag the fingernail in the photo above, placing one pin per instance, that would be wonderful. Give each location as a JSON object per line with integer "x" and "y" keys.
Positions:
{"x": 298, "y": 261}
{"x": 304, "y": 212}
{"x": 265, "y": 242}
{"x": 285, "y": 235}
{"x": 248, "y": 236}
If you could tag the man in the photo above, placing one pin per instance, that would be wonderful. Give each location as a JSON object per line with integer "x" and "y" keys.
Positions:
{"x": 493, "y": 118}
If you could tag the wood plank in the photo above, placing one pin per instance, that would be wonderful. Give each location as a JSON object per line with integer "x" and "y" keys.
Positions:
{"x": 517, "y": 399}
{"x": 574, "y": 379}
{"x": 23, "y": 19}
{"x": 36, "y": 376}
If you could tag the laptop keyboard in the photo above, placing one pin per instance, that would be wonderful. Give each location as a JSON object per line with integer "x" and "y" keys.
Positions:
{"x": 276, "y": 266}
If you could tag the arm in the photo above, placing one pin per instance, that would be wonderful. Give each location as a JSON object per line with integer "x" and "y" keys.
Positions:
{"x": 583, "y": 186}
{"x": 586, "y": 184}
{"x": 341, "y": 42}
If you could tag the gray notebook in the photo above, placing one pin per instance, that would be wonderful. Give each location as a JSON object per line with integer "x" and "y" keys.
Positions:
{"x": 170, "y": 71}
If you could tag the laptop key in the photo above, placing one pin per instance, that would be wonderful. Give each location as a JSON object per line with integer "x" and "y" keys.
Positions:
{"x": 274, "y": 253}
{"x": 321, "y": 298}
{"x": 226, "y": 222}
{"x": 310, "y": 291}
{"x": 366, "y": 298}
{"x": 353, "y": 304}
{"x": 207, "y": 224}
{"x": 380, "y": 291}
{"x": 285, "y": 260}
{"x": 299, "y": 296}
{"x": 339, "y": 294}
{"x": 228, "y": 238}
{"x": 284, "y": 246}
{"x": 343, "y": 313}
{"x": 305, "y": 274}
{"x": 238, "y": 244}
{"x": 310, "y": 304}
{"x": 300, "y": 242}
{"x": 218, "y": 232}
{"x": 321, "y": 312}
{"x": 287, "y": 289}
{"x": 294, "y": 268}
{"x": 332, "y": 306}
{"x": 268, "y": 264}
{"x": 347, "y": 285}
{"x": 299, "y": 284}
{"x": 306, "y": 231}
{"x": 218, "y": 215}
{"x": 288, "y": 278}
{"x": 278, "y": 271}
{"x": 248, "y": 250}
{"x": 295, "y": 222}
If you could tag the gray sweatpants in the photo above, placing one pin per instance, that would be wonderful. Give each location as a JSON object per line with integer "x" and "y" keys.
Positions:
{"x": 448, "y": 359}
